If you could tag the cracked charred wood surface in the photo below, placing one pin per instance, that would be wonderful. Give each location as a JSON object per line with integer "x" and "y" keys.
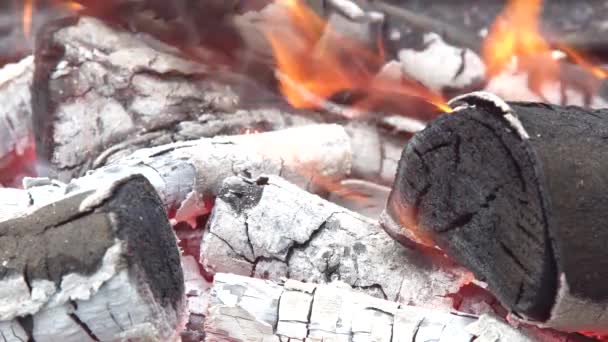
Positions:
{"x": 16, "y": 137}
{"x": 516, "y": 193}
{"x": 118, "y": 87}
{"x": 90, "y": 266}
{"x": 268, "y": 228}
{"x": 247, "y": 309}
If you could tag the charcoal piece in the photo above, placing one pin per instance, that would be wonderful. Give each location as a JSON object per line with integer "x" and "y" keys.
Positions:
{"x": 516, "y": 193}
{"x": 92, "y": 265}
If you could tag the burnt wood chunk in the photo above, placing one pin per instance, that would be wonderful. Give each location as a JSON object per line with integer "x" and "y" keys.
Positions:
{"x": 268, "y": 228}
{"x": 516, "y": 193}
{"x": 94, "y": 265}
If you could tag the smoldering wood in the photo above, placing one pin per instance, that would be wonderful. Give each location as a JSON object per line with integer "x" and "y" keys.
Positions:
{"x": 15, "y": 117}
{"x": 197, "y": 294}
{"x": 122, "y": 103}
{"x": 515, "y": 193}
{"x": 92, "y": 265}
{"x": 187, "y": 175}
{"x": 244, "y": 309}
{"x": 266, "y": 227}
{"x": 113, "y": 85}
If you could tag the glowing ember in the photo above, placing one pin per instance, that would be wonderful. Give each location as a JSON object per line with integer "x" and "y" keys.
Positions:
{"x": 310, "y": 69}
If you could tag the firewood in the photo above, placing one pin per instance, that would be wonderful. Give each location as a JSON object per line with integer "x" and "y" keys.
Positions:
{"x": 188, "y": 175}
{"x": 266, "y": 227}
{"x": 516, "y": 193}
{"x": 92, "y": 265}
{"x": 15, "y": 115}
{"x": 247, "y": 309}
{"x": 129, "y": 91}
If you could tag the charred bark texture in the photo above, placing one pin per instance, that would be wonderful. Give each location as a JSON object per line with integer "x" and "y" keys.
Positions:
{"x": 516, "y": 193}
{"x": 93, "y": 265}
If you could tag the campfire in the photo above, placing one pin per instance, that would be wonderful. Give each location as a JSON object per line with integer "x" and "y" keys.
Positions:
{"x": 306, "y": 170}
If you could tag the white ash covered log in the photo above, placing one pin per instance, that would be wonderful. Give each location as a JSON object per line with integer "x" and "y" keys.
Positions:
{"x": 119, "y": 87}
{"x": 268, "y": 228}
{"x": 516, "y": 193}
{"x": 96, "y": 265}
{"x": 247, "y": 309}
{"x": 188, "y": 175}
{"x": 128, "y": 91}
{"x": 16, "y": 139}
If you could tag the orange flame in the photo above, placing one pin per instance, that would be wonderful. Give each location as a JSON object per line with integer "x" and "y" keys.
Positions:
{"x": 312, "y": 68}
{"x": 28, "y": 13}
{"x": 515, "y": 36}
{"x": 28, "y": 10}
{"x": 581, "y": 60}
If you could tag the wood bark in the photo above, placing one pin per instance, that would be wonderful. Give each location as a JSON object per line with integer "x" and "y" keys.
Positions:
{"x": 268, "y": 228}
{"x": 90, "y": 266}
{"x": 247, "y": 309}
{"x": 515, "y": 192}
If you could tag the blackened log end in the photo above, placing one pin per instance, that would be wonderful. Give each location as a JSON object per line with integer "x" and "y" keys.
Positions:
{"x": 468, "y": 184}
{"x": 151, "y": 243}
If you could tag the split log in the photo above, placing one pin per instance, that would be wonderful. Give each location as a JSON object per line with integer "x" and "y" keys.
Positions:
{"x": 247, "y": 309}
{"x": 93, "y": 265}
{"x": 516, "y": 193}
{"x": 268, "y": 228}
{"x": 15, "y": 120}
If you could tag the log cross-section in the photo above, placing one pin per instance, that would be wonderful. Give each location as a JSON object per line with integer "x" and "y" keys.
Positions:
{"x": 516, "y": 192}
{"x": 98, "y": 265}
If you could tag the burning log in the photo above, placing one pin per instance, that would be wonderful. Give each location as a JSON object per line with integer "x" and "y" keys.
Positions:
{"x": 122, "y": 104}
{"x": 120, "y": 277}
{"x": 188, "y": 175}
{"x": 515, "y": 192}
{"x": 268, "y": 228}
{"x": 246, "y": 309}
{"x": 15, "y": 115}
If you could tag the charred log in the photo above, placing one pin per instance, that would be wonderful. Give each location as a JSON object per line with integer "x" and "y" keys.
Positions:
{"x": 119, "y": 278}
{"x": 516, "y": 193}
{"x": 245, "y": 309}
{"x": 268, "y": 228}
{"x": 188, "y": 175}
{"x": 127, "y": 93}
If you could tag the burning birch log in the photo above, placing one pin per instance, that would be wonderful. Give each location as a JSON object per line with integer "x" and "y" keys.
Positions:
{"x": 119, "y": 277}
{"x": 516, "y": 193}
{"x": 247, "y": 309}
{"x": 268, "y": 228}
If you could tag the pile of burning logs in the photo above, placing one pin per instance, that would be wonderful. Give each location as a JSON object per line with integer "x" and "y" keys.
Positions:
{"x": 177, "y": 195}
